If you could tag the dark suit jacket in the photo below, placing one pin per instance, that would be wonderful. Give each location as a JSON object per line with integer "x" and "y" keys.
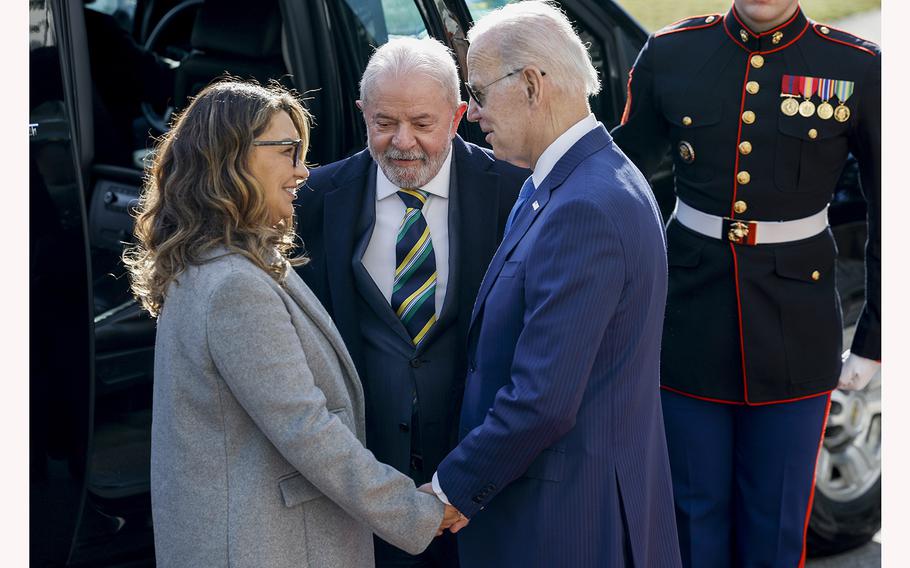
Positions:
{"x": 336, "y": 215}
{"x": 563, "y": 443}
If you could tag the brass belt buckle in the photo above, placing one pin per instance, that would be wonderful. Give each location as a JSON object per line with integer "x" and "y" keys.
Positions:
{"x": 740, "y": 232}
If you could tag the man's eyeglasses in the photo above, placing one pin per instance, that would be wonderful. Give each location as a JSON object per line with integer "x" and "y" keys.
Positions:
{"x": 478, "y": 93}
{"x": 295, "y": 143}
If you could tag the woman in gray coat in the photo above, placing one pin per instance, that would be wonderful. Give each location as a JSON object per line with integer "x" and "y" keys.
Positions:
{"x": 258, "y": 413}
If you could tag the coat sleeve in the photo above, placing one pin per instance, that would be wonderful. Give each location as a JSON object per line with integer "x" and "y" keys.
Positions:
{"x": 257, "y": 351}
{"x": 569, "y": 295}
{"x": 866, "y": 146}
{"x": 642, "y": 133}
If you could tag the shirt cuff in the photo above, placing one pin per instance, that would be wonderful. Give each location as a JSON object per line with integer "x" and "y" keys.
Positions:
{"x": 438, "y": 490}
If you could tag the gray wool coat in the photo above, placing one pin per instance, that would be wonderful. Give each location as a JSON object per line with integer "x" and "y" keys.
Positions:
{"x": 258, "y": 432}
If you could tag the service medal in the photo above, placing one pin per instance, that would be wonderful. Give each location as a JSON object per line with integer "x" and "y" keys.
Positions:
{"x": 789, "y": 106}
{"x": 843, "y": 90}
{"x": 809, "y": 85}
{"x": 841, "y": 113}
{"x": 825, "y": 90}
{"x": 788, "y": 89}
{"x": 807, "y": 108}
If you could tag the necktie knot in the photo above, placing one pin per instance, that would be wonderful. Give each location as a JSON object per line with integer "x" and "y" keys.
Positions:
{"x": 527, "y": 189}
{"x": 413, "y": 198}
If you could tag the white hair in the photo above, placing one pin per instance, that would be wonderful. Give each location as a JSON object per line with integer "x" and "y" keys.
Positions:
{"x": 538, "y": 33}
{"x": 403, "y": 56}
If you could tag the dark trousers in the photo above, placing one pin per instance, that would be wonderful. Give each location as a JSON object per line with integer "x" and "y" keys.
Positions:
{"x": 442, "y": 552}
{"x": 743, "y": 479}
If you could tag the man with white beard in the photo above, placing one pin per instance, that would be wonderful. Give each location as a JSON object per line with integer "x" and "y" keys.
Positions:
{"x": 399, "y": 237}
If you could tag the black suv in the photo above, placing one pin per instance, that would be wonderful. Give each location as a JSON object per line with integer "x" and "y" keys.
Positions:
{"x": 104, "y": 77}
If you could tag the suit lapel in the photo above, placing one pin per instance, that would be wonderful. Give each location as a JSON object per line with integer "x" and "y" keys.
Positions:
{"x": 341, "y": 215}
{"x": 590, "y": 143}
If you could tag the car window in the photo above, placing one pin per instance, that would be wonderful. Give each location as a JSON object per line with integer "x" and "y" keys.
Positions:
{"x": 480, "y": 8}
{"x": 387, "y": 19}
{"x": 124, "y": 11}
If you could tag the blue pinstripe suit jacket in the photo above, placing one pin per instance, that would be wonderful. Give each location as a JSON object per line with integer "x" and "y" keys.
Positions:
{"x": 562, "y": 459}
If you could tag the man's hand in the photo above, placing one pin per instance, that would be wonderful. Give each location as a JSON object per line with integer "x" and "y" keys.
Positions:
{"x": 452, "y": 519}
{"x": 856, "y": 371}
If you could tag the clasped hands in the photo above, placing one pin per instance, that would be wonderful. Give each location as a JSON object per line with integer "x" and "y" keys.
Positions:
{"x": 452, "y": 519}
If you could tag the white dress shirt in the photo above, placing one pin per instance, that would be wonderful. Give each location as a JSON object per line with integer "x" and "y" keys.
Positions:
{"x": 545, "y": 163}
{"x": 379, "y": 257}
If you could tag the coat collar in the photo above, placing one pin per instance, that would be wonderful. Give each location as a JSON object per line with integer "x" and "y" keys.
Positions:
{"x": 765, "y": 42}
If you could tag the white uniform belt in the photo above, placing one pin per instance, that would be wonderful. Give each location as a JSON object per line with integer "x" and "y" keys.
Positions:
{"x": 741, "y": 231}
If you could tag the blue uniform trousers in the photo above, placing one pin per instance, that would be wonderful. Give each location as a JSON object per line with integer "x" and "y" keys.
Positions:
{"x": 743, "y": 479}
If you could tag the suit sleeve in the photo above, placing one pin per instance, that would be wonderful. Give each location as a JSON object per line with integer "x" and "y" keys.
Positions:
{"x": 570, "y": 296}
{"x": 866, "y": 146}
{"x": 258, "y": 352}
{"x": 642, "y": 134}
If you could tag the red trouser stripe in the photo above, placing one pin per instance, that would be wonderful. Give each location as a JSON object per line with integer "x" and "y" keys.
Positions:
{"x": 821, "y": 440}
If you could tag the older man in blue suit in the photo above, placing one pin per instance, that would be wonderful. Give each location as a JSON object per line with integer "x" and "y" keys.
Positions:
{"x": 562, "y": 459}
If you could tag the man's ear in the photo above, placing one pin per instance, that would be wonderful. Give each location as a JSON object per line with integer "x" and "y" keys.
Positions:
{"x": 533, "y": 83}
{"x": 359, "y": 104}
{"x": 459, "y": 114}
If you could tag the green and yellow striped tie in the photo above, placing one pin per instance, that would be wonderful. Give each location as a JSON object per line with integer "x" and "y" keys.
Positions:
{"x": 414, "y": 289}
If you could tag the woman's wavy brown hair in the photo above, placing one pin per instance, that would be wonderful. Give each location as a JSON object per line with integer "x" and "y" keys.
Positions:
{"x": 199, "y": 193}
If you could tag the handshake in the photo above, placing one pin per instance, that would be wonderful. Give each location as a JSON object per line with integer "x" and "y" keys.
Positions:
{"x": 452, "y": 519}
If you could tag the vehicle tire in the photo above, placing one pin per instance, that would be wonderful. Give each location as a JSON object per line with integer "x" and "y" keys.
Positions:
{"x": 846, "y": 511}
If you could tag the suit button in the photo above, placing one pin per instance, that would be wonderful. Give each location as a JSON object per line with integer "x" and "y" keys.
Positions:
{"x": 416, "y": 363}
{"x": 816, "y": 275}
{"x": 752, "y": 87}
{"x": 743, "y": 177}
{"x": 687, "y": 121}
{"x": 740, "y": 207}
{"x": 748, "y": 117}
{"x": 404, "y": 427}
{"x": 813, "y": 133}
{"x": 745, "y": 147}
{"x": 757, "y": 61}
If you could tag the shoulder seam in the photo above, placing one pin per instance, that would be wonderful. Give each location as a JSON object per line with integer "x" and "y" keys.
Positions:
{"x": 816, "y": 27}
{"x": 678, "y": 26}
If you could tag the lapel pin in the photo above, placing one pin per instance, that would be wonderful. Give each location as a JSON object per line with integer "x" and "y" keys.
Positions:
{"x": 535, "y": 206}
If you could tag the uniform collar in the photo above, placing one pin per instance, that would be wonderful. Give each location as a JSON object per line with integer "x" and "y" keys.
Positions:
{"x": 771, "y": 40}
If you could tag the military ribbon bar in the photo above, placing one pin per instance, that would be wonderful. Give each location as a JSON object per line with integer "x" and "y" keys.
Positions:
{"x": 808, "y": 86}
{"x": 788, "y": 86}
{"x": 843, "y": 90}
{"x": 825, "y": 88}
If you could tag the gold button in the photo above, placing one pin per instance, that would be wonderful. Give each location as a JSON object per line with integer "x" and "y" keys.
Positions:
{"x": 687, "y": 121}
{"x": 813, "y": 133}
{"x": 740, "y": 207}
{"x": 745, "y": 147}
{"x": 743, "y": 177}
{"x": 752, "y": 87}
{"x": 816, "y": 275}
{"x": 824, "y": 30}
{"x": 748, "y": 117}
{"x": 709, "y": 19}
{"x": 775, "y": 39}
{"x": 757, "y": 61}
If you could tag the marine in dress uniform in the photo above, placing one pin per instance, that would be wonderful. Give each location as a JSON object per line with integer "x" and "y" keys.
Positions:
{"x": 759, "y": 125}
